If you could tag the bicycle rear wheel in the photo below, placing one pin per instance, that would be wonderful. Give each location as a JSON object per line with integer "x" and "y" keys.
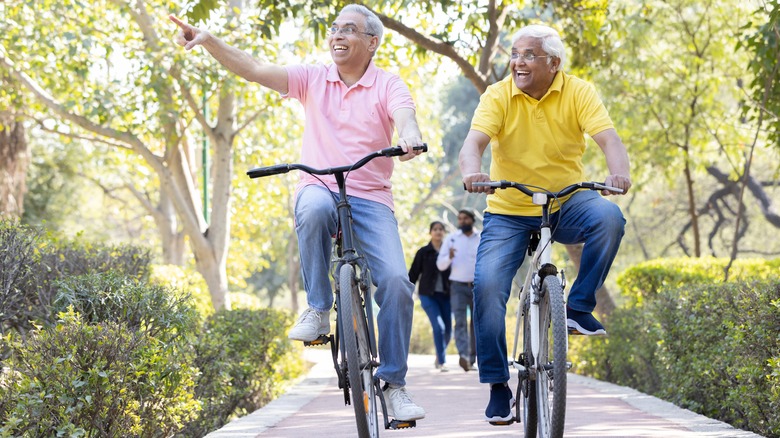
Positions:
{"x": 551, "y": 364}
{"x": 357, "y": 352}
{"x": 526, "y": 387}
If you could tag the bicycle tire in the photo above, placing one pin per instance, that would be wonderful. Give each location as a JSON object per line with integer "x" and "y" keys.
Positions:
{"x": 551, "y": 372}
{"x": 363, "y": 398}
{"x": 526, "y": 387}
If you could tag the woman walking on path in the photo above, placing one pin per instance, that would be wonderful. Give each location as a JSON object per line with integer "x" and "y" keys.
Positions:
{"x": 434, "y": 291}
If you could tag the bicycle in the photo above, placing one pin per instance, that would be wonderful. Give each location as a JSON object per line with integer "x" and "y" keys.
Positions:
{"x": 542, "y": 365}
{"x": 354, "y": 359}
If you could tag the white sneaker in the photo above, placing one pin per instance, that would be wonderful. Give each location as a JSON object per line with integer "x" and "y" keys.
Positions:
{"x": 310, "y": 326}
{"x": 400, "y": 405}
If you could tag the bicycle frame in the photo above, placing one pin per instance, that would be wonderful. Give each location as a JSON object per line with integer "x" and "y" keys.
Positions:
{"x": 532, "y": 285}
{"x": 349, "y": 255}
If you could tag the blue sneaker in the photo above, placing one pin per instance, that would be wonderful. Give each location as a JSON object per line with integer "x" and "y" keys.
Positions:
{"x": 583, "y": 323}
{"x": 499, "y": 408}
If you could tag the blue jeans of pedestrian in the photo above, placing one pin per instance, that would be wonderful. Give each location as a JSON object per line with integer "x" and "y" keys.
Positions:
{"x": 585, "y": 218}
{"x": 437, "y": 307}
{"x": 376, "y": 232}
{"x": 462, "y": 299}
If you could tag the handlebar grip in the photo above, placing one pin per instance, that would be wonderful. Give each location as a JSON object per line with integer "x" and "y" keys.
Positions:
{"x": 396, "y": 151}
{"x": 494, "y": 184}
{"x": 600, "y": 186}
{"x": 270, "y": 170}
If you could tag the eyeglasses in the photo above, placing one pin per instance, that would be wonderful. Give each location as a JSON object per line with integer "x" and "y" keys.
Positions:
{"x": 528, "y": 56}
{"x": 347, "y": 31}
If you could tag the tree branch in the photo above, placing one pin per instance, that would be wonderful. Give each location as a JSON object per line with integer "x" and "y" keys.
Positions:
{"x": 47, "y": 100}
{"x": 442, "y": 48}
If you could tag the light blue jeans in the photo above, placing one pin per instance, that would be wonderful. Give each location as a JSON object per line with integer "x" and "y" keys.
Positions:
{"x": 437, "y": 307}
{"x": 585, "y": 217}
{"x": 376, "y": 232}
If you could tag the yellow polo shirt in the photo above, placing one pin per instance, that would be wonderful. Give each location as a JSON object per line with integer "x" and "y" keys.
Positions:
{"x": 537, "y": 142}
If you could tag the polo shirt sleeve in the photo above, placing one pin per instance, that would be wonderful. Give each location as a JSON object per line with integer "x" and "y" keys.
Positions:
{"x": 398, "y": 95}
{"x": 592, "y": 115}
{"x": 297, "y": 81}
{"x": 490, "y": 113}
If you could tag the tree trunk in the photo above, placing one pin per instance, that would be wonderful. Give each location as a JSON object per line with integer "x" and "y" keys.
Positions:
{"x": 167, "y": 226}
{"x": 604, "y": 302}
{"x": 692, "y": 210}
{"x": 216, "y": 278}
{"x": 14, "y": 160}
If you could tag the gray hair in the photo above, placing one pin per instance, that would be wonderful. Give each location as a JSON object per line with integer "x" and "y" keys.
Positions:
{"x": 373, "y": 23}
{"x": 551, "y": 41}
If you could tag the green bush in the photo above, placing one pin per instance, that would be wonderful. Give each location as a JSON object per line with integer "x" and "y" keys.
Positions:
{"x": 94, "y": 342}
{"x": 18, "y": 260}
{"x": 31, "y": 263}
{"x": 244, "y": 360}
{"x": 691, "y": 338}
{"x": 721, "y": 350}
{"x": 104, "y": 379}
{"x": 179, "y": 278}
{"x": 645, "y": 280}
{"x": 159, "y": 312}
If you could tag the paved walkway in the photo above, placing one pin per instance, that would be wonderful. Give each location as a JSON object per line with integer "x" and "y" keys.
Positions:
{"x": 455, "y": 401}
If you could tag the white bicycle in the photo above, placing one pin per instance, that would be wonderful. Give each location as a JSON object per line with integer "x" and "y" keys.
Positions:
{"x": 542, "y": 364}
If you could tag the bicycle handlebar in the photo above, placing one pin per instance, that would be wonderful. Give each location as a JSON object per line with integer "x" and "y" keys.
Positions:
{"x": 591, "y": 185}
{"x": 276, "y": 169}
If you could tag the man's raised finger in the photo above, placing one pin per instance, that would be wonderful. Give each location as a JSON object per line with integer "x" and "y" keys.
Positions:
{"x": 178, "y": 22}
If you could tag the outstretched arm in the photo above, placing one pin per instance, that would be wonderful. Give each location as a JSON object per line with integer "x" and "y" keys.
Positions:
{"x": 617, "y": 160}
{"x": 235, "y": 60}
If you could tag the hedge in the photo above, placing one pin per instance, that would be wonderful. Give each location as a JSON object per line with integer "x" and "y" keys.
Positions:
{"x": 687, "y": 336}
{"x": 95, "y": 342}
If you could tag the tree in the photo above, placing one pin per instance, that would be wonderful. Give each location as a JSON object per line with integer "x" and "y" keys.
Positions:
{"x": 14, "y": 155}
{"x": 765, "y": 45}
{"x": 72, "y": 69}
{"x": 762, "y": 41}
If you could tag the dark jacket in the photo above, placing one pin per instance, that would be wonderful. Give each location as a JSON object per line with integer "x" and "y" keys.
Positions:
{"x": 424, "y": 268}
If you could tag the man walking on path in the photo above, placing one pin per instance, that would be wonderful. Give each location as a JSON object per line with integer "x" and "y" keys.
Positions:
{"x": 459, "y": 253}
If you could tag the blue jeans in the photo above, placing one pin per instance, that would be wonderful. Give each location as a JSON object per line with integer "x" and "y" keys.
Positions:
{"x": 437, "y": 307}
{"x": 462, "y": 299}
{"x": 376, "y": 232}
{"x": 585, "y": 217}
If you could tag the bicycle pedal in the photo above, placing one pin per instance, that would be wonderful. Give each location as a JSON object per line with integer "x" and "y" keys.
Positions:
{"x": 398, "y": 424}
{"x": 502, "y": 423}
{"x": 573, "y": 331}
{"x": 322, "y": 340}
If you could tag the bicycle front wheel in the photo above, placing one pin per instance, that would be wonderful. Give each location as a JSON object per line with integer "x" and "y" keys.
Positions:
{"x": 357, "y": 352}
{"x": 551, "y": 364}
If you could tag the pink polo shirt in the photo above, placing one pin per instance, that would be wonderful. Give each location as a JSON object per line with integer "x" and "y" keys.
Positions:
{"x": 343, "y": 124}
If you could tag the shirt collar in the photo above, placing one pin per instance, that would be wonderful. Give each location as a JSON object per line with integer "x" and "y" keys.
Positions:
{"x": 557, "y": 86}
{"x": 367, "y": 80}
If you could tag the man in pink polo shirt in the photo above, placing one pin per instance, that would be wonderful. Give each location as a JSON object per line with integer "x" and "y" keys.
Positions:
{"x": 351, "y": 109}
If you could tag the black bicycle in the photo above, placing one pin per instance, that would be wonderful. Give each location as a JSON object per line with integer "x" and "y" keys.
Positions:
{"x": 354, "y": 359}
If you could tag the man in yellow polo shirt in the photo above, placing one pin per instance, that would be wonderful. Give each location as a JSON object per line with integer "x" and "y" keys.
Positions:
{"x": 535, "y": 121}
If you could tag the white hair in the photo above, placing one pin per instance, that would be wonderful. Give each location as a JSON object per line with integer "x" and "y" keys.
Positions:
{"x": 551, "y": 41}
{"x": 373, "y": 23}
